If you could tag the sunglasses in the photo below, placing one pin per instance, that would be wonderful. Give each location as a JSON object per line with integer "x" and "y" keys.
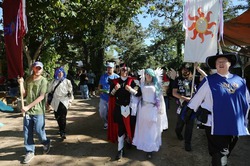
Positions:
{"x": 38, "y": 68}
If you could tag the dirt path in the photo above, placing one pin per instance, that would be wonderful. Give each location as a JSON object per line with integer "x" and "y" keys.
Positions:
{"x": 86, "y": 143}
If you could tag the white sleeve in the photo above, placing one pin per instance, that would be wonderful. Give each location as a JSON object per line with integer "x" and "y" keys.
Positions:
{"x": 199, "y": 96}
{"x": 248, "y": 98}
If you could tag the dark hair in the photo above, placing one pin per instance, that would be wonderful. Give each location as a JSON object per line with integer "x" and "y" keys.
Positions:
{"x": 187, "y": 66}
{"x": 163, "y": 68}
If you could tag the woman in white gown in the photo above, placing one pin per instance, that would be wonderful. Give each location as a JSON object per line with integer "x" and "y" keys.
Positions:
{"x": 151, "y": 116}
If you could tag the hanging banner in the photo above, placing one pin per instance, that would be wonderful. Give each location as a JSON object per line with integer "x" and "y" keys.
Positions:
{"x": 201, "y": 21}
{"x": 15, "y": 27}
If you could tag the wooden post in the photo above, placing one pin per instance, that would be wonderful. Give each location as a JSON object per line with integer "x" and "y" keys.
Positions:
{"x": 21, "y": 95}
{"x": 192, "y": 87}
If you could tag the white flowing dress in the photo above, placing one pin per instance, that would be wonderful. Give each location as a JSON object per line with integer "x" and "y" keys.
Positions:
{"x": 150, "y": 121}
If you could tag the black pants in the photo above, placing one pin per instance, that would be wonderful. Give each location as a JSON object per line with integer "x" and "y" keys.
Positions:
{"x": 188, "y": 129}
{"x": 122, "y": 128}
{"x": 219, "y": 145}
{"x": 60, "y": 116}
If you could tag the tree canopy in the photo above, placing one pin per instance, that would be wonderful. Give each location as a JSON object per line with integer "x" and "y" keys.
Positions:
{"x": 62, "y": 32}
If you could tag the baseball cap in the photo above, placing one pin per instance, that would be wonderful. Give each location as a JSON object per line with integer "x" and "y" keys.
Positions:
{"x": 40, "y": 64}
{"x": 110, "y": 64}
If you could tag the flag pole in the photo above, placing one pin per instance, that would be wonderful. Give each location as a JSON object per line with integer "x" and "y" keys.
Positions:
{"x": 193, "y": 79}
{"x": 21, "y": 89}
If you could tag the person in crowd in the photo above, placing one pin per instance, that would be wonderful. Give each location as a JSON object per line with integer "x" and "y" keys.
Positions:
{"x": 71, "y": 77}
{"x": 122, "y": 88}
{"x": 91, "y": 82}
{"x": 83, "y": 84}
{"x": 182, "y": 92}
{"x": 117, "y": 69}
{"x": 165, "y": 86}
{"x": 62, "y": 91}
{"x": 13, "y": 87}
{"x": 34, "y": 89}
{"x": 225, "y": 100}
{"x": 104, "y": 88}
{"x": 151, "y": 117}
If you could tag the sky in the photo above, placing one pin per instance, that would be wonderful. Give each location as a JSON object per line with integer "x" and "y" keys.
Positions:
{"x": 146, "y": 21}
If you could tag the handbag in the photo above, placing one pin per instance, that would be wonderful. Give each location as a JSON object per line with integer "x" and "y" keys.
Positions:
{"x": 51, "y": 94}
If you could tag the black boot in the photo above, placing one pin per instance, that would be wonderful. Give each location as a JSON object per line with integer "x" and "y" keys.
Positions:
{"x": 149, "y": 155}
{"x": 128, "y": 144}
{"x": 119, "y": 154}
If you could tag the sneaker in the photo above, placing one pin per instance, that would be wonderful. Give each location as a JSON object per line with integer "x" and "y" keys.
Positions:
{"x": 28, "y": 157}
{"x": 105, "y": 127}
{"x": 46, "y": 148}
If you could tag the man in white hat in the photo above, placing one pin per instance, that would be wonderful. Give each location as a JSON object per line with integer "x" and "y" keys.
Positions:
{"x": 224, "y": 99}
{"x": 103, "y": 88}
{"x": 35, "y": 88}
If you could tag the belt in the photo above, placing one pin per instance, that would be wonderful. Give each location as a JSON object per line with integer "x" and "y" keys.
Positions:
{"x": 146, "y": 102}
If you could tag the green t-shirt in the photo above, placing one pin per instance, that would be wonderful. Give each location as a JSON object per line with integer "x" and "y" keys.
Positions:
{"x": 33, "y": 90}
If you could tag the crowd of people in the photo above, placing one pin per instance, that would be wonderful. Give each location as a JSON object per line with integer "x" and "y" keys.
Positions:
{"x": 134, "y": 107}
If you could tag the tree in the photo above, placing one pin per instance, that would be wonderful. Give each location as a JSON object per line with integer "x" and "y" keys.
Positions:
{"x": 129, "y": 44}
{"x": 79, "y": 26}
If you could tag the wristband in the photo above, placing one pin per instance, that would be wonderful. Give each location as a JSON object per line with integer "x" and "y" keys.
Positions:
{"x": 113, "y": 91}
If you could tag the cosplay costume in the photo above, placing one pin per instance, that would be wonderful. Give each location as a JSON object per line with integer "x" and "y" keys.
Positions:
{"x": 227, "y": 120}
{"x": 120, "y": 117}
{"x": 226, "y": 99}
{"x": 151, "y": 116}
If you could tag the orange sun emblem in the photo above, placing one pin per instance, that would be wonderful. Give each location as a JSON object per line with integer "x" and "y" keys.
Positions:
{"x": 201, "y": 25}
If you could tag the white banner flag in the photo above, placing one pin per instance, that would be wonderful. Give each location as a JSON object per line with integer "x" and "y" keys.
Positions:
{"x": 201, "y": 21}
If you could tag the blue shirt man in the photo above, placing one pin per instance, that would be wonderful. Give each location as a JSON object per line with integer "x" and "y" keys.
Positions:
{"x": 104, "y": 91}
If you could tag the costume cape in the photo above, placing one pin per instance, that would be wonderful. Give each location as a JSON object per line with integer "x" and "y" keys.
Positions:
{"x": 112, "y": 126}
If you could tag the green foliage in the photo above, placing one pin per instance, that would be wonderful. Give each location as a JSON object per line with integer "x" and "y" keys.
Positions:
{"x": 63, "y": 32}
{"x": 76, "y": 29}
{"x": 51, "y": 60}
{"x": 129, "y": 44}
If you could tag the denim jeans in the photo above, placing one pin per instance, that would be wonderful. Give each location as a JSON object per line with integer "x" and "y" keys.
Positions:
{"x": 34, "y": 123}
{"x": 103, "y": 110}
{"x": 84, "y": 91}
